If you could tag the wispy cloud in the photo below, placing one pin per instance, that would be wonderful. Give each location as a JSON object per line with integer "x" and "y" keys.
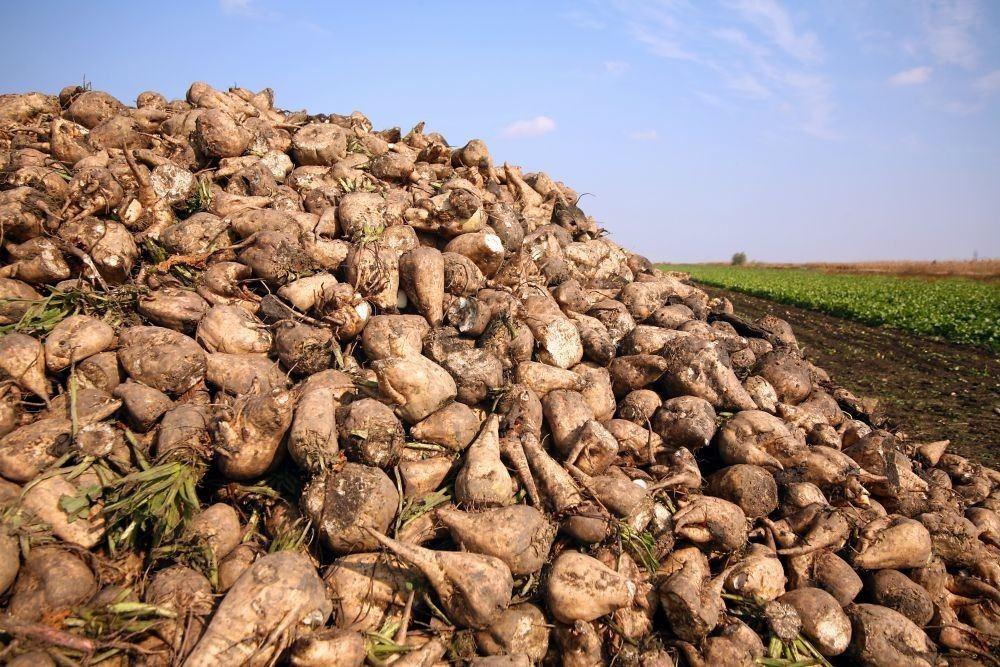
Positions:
{"x": 911, "y": 77}
{"x": 582, "y": 18}
{"x": 774, "y": 21}
{"x": 950, "y": 26}
{"x": 644, "y": 135}
{"x": 988, "y": 84}
{"x": 242, "y": 7}
{"x": 756, "y": 50}
{"x": 661, "y": 45}
{"x": 616, "y": 67}
{"x": 250, "y": 9}
{"x": 747, "y": 85}
{"x": 531, "y": 127}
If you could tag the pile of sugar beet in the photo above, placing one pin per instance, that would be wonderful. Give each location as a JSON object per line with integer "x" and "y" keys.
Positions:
{"x": 279, "y": 388}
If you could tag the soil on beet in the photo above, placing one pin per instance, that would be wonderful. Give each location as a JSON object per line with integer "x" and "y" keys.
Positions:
{"x": 929, "y": 390}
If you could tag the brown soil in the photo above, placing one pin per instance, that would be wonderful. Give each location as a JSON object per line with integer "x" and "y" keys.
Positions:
{"x": 929, "y": 390}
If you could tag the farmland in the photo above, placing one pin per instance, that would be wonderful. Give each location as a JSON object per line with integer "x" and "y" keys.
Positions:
{"x": 956, "y": 309}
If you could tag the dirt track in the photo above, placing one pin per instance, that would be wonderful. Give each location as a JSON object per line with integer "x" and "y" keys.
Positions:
{"x": 931, "y": 390}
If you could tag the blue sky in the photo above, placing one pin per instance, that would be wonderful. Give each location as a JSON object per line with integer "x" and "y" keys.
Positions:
{"x": 796, "y": 131}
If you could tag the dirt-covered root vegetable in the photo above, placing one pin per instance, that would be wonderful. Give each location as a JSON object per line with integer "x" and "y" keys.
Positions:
{"x": 691, "y": 600}
{"x": 188, "y": 594}
{"x": 51, "y": 580}
{"x": 618, "y": 494}
{"x": 697, "y": 367}
{"x": 423, "y": 476}
{"x": 319, "y": 144}
{"x": 566, "y": 412}
{"x": 367, "y": 588}
{"x": 16, "y": 298}
{"x": 813, "y": 528}
{"x": 10, "y": 559}
{"x": 892, "y": 543}
{"x": 22, "y": 360}
{"x": 555, "y": 484}
{"x": 143, "y": 405}
{"x": 313, "y": 439}
{"x": 235, "y": 564}
{"x": 988, "y": 523}
{"x": 239, "y": 374}
{"x": 826, "y": 570}
{"x": 343, "y": 503}
{"x": 635, "y": 371}
{"x": 331, "y": 646}
{"x": 712, "y": 521}
{"x": 759, "y": 576}
{"x": 280, "y": 597}
{"x": 750, "y": 487}
{"x": 387, "y": 336}
{"x": 484, "y": 248}
{"x": 416, "y": 385}
{"x": 557, "y": 339}
{"x": 520, "y": 535}
{"x": 881, "y": 637}
{"x": 369, "y": 432}
{"x": 580, "y": 644}
{"x": 824, "y": 622}
{"x": 373, "y": 270}
{"x": 478, "y": 374}
{"x": 233, "y": 330}
{"x": 582, "y": 588}
{"x": 218, "y": 527}
{"x": 173, "y": 308}
{"x": 422, "y": 278}
{"x": 685, "y": 421}
{"x": 454, "y": 426}
{"x": 304, "y": 349}
{"x": 954, "y": 538}
{"x": 788, "y": 374}
{"x": 639, "y": 406}
{"x": 76, "y": 338}
{"x": 473, "y": 589}
{"x": 543, "y": 378}
{"x": 520, "y": 629}
{"x": 249, "y": 434}
{"x": 461, "y": 275}
{"x": 758, "y": 438}
{"x": 27, "y": 451}
{"x": 161, "y": 358}
{"x": 44, "y": 500}
{"x": 483, "y": 480}
{"x": 893, "y": 589}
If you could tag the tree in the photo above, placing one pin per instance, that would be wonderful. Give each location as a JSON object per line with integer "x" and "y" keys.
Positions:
{"x": 739, "y": 259}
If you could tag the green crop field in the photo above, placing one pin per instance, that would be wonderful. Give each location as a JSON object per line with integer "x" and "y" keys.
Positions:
{"x": 955, "y": 309}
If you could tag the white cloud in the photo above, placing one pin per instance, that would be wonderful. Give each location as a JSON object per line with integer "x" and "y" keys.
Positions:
{"x": 644, "y": 135}
{"x": 989, "y": 83}
{"x": 616, "y": 67}
{"x": 911, "y": 77}
{"x": 661, "y": 45}
{"x": 236, "y": 6}
{"x": 773, "y": 20}
{"x": 585, "y": 19}
{"x": 755, "y": 51}
{"x": 532, "y": 127}
{"x": 950, "y": 25}
{"x": 748, "y": 85}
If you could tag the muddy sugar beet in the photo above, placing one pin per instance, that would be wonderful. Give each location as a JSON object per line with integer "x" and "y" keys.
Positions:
{"x": 284, "y": 388}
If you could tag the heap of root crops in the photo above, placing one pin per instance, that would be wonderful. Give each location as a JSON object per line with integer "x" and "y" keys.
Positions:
{"x": 279, "y": 388}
